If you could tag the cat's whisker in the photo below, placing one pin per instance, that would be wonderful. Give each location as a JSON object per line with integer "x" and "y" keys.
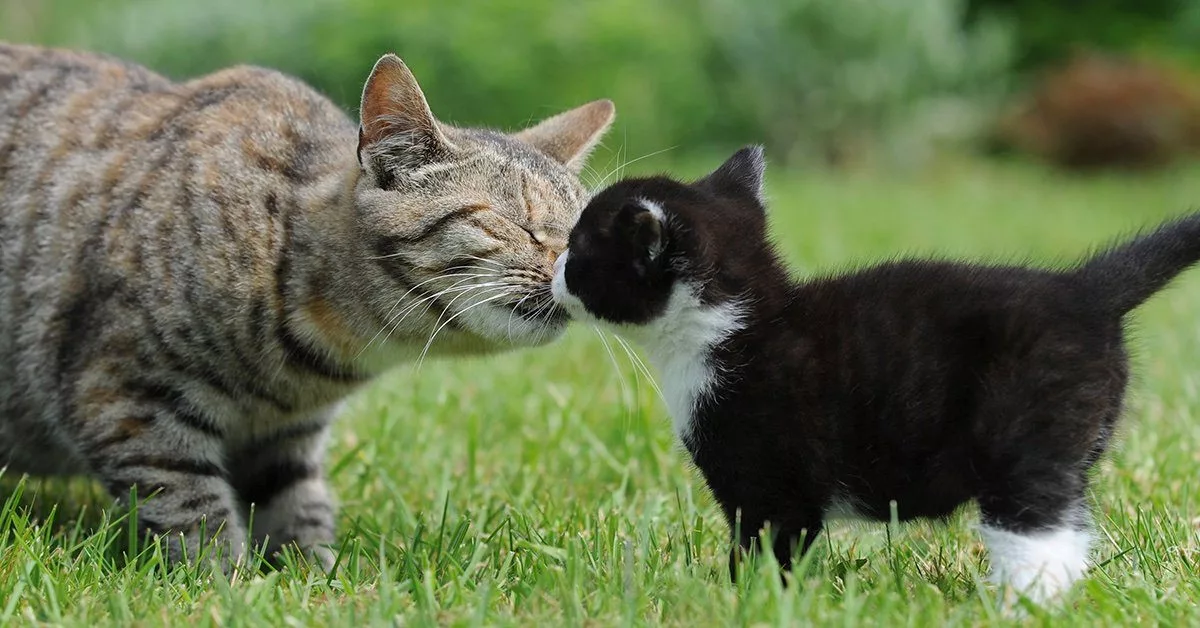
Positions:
{"x": 487, "y": 261}
{"x": 543, "y": 310}
{"x": 466, "y": 277}
{"x": 591, "y": 174}
{"x": 618, "y": 158}
{"x": 430, "y": 299}
{"x": 620, "y": 170}
{"x": 482, "y": 269}
{"x": 402, "y": 297}
{"x": 469, "y": 289}
{"x": 388, "y": 256}
{"x": 513, "y": 312}
{"x": 506, "y": 291}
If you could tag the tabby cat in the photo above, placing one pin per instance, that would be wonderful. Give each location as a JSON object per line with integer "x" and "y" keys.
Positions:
{"x": 194, "y": 274}
{"x": 918, "y": 384}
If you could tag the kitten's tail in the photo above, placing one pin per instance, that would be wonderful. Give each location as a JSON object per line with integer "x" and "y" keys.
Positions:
{"x": 1126, "y": 274}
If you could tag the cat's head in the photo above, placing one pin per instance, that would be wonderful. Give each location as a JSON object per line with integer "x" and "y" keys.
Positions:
{"x": 646, "y": 247}
{"x": 468, "y": 222}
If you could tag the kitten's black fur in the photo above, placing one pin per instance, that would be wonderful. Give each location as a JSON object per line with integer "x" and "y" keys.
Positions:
{"x": 930, "y": 383}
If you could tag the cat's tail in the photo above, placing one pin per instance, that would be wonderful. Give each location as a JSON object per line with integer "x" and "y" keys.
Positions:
{"x": 1123, "y": 276}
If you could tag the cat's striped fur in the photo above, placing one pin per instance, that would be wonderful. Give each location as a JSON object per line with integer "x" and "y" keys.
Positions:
{"x": 192, "y": 275}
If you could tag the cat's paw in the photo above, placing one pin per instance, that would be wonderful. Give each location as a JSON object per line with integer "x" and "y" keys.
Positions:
{"x": 220, "y": 550}
{"x": 319, "y": 557}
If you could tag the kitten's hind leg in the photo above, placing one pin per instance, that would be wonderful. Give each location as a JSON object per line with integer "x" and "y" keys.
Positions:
{"x": 281, "y": 477}
{"x": 148, "y": 437}
{"x": 1037, "y": 549}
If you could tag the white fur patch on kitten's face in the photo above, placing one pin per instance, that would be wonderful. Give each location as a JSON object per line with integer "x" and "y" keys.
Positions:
{"x": 677, "y": 342}
{"x": 563, "y": 296}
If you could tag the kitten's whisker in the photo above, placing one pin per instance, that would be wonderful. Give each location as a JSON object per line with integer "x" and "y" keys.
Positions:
{"x": 637, "y": 373}
{"x": 642, "y": 365}
{"x": 613, "y": 358}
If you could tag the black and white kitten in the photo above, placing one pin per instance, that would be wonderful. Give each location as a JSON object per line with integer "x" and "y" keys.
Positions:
{"x": 927, "y": 383}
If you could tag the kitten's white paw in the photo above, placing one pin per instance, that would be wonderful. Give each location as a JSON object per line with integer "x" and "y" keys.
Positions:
{"x": 1040, "y": 565}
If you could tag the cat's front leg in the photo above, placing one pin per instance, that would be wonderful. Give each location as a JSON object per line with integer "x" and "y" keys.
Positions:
{"x": 146, "y": 440}
{"x": 280, "y": 478}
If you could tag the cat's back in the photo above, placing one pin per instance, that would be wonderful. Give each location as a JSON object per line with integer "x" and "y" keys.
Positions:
{"x": 105, "y": 160}
{"x": 83, "y": 102}
{"x": 123, "y": 191}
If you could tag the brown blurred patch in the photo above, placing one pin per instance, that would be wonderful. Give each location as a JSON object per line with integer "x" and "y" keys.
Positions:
{"x": 1104, "y": 111}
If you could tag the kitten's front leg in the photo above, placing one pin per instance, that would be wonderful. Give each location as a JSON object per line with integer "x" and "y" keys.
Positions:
{"x": 281, "y": 478}
{"x": 150, "y": 438}
{"x": 785, "y": 537}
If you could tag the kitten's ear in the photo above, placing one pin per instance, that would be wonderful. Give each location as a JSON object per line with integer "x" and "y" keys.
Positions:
{"x": 643, "y": 226}
{"x": 570, "y": 136}
{"x": 397, "y": 130}
{"x": 741, "y": 175}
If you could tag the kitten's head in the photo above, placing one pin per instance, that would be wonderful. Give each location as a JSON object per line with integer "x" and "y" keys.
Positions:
{"x": 641, "y": 243}
{"x": 467, "y": 223}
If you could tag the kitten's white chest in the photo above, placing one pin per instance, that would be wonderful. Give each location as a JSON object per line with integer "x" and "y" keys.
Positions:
{"x": 684, "y": 378}
{"x": 679, "y": 344}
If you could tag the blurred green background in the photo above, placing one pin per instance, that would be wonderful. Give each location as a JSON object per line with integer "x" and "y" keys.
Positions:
{"x": 820, "y": 81}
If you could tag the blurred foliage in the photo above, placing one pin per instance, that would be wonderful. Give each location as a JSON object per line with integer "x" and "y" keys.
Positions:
{"x": 1048, "y": 31}
{"x": 833, "y": 79}
{"x": 503, "y": 63}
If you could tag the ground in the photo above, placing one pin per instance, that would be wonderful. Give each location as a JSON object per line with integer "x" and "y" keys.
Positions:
{"x": 545, "y": 488}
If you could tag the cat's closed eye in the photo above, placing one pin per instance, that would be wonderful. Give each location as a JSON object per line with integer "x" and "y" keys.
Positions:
{"x": 537, "y": 235}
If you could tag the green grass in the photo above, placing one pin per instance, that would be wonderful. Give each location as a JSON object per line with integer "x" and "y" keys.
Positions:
{"x": 542, "y": 488}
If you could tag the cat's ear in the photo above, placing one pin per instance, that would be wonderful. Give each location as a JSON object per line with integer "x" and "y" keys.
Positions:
{"x": 641, "y": 222}
{"x": 397, "y": 130}
{"x": 570, "y": 136}
{"x": 741, "y": 175}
